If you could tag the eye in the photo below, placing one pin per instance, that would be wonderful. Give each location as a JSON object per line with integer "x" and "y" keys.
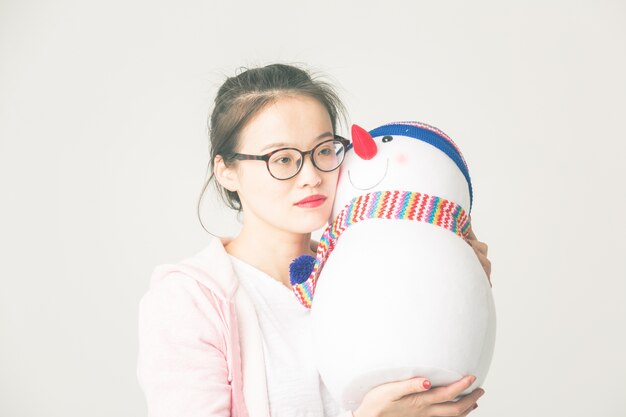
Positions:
{"x": 326, "y": 151}
{"x": 282, "y": 160}
{"x": 387, "y": 139}
{"x": 283, "y": 157}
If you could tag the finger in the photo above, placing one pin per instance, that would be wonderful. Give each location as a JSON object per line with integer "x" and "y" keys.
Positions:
{"x": 454, "y": 414}
{"x": 458, "y": 408}
{"x": 449, "y": 392}
{"x": 472, "y": 408}
{"x": 397, "y": 390}
{"x": 485, "y": 263}
{"x": 480, "y": 246}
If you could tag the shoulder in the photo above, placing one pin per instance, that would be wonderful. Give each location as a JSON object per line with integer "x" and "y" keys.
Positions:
{"x": 174, "y": 290}
{"x": 179, "y": 304}
{"x": 195, "y": 294}
{"x": 211, "y": 267}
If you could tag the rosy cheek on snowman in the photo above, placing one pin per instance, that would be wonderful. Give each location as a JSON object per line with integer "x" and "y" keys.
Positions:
{"x": 402, "y": 159}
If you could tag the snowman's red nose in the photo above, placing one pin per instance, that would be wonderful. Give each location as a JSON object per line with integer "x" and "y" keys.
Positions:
{"x": 364, "y": 145}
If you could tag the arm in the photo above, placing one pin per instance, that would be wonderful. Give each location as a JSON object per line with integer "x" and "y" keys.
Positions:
{"x": 182, "y": 367}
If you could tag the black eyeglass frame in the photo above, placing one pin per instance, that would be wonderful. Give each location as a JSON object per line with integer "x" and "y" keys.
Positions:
{"x": 266, "y": 157}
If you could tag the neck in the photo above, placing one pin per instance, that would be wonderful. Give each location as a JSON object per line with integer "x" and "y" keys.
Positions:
{"x": 270, "y": 250}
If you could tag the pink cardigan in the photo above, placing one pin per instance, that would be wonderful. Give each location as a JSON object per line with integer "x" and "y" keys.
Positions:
{"x": 200, "y": 346}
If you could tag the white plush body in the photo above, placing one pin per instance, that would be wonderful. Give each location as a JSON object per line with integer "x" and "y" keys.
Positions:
{"x": 401, "y": 298}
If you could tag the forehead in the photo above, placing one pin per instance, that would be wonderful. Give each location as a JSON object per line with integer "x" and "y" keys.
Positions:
{"x": 296, "y": 121}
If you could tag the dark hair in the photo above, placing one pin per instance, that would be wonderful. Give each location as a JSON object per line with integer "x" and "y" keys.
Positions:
{"x": 244, "y": 95}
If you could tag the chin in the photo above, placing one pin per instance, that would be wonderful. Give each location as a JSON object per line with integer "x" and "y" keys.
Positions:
{"x": 308, "y": 224}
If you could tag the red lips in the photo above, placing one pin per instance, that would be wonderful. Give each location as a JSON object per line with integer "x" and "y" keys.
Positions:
{"x": 311, "y": 201}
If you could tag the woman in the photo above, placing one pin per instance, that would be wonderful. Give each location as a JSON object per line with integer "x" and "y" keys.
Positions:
{"x": 220, "y": 333}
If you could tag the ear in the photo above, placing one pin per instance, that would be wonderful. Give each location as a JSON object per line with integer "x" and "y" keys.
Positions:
{"x": 226, "y": 176}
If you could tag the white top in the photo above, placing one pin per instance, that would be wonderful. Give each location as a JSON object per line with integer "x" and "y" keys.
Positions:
{"x": 293, "y": 383}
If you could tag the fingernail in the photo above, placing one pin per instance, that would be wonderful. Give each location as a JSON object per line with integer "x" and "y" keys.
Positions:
{"x": 426, "y": 384}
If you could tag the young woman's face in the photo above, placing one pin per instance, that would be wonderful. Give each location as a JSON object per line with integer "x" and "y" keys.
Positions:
{"x": 293, "y": 121}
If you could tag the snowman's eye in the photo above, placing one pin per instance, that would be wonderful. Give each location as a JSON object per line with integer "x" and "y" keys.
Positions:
{"x": 387, "y": 139}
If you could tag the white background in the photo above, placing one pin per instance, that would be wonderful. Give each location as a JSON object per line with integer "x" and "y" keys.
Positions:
{"x": 104, "y": 148}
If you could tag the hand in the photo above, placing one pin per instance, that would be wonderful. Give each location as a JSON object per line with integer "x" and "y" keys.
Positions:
{"x": 481, "y": 249}
{"x": 413, "y": 397}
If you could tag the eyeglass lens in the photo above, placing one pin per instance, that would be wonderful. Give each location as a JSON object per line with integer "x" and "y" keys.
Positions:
{"x": 326, "y": 156}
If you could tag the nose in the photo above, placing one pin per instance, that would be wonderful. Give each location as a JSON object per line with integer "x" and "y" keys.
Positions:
{"x": 308, "y": 175}
{"x": 364, "y": 145}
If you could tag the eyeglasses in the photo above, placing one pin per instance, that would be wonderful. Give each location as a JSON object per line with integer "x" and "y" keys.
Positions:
{"x": 285, "y": 163}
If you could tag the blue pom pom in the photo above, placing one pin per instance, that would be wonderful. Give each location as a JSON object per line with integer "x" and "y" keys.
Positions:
{"x": 300, "y": 269}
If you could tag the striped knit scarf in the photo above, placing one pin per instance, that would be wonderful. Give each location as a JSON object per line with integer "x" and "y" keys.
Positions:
{"x": 392, "y": 205}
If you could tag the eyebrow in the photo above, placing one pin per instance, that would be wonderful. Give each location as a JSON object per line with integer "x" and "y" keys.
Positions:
{"x": 290, "y": 145}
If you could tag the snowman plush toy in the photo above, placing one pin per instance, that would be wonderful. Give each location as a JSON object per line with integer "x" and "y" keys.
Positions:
{"x": 395, "y": 292}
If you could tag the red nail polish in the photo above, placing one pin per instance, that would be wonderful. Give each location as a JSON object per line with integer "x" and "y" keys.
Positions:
{"x": 426, "y": 384}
